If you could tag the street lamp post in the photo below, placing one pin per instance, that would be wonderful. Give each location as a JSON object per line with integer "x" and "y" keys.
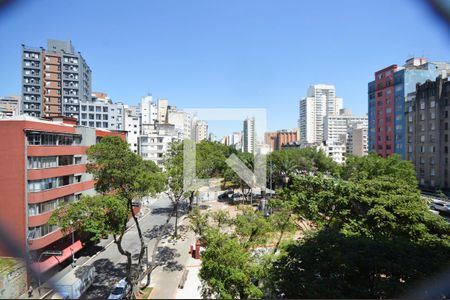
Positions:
{"x": 71, "y": 246}
{"x": 57, "y": 253}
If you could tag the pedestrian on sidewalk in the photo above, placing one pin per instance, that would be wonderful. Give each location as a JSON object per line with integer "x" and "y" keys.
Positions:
{"x": 30, "y": 291}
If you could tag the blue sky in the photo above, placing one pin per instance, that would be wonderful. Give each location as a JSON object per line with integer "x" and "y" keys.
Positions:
{"x": 253, "y": 53}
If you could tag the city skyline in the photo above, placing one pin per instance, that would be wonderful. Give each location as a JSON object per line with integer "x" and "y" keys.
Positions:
{"x": 195, "y": 56}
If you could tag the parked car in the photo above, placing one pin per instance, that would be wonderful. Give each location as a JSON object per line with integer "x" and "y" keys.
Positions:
{"x": 440, "y": 205}
{"x": 120, "y": 290}
{"x": 434, "y": 211}
{"x": 226, "y": 195}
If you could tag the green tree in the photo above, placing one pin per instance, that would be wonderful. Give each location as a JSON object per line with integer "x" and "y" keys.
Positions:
{"x": 118, "y": 171}
{"x": 375, "y": 237}
{"x": 251, "y": 228}
{"x": 199, "y": 221}
{"x": 221, "y": 219}
{"x": 285, "y": 164}
{"x": 227, "y": 270}
{"x": 329, "y": 264}
{"x": 281, "y": 220}
{"x": 97, "y": 216}
{"x": 173, "y": 165}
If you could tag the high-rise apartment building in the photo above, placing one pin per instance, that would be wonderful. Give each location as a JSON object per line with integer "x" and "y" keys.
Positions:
{"x": 54, "y": 80}
{"x": 249, "y": 135}
{"x": 338, "y": 127}
{"x": 132, "y": 126}
{"x": 181, "y": 120}
{"x": 357, "y": 143}
{"x": 200, "y": 130}
{"x": 43, "y": 166}
{"x": 163, "y": 105}
{"x": 149, "y": 110}
{"x": 427, "y": 133}
{"x": 386, "y": 98}
{"x": 9, "y": 106}
{"x": 320, "y": 101}
{"x": 101, "y": 112}
{"x": 155, "y": 140}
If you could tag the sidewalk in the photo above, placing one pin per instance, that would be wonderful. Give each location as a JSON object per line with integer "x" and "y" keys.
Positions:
{"x": 192, "y": 286}
{"x": 46, "y": 290}
{"x": 165, "y": 279}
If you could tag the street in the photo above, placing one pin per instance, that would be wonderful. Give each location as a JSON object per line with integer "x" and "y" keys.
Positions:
{"x": 110, "y": 264}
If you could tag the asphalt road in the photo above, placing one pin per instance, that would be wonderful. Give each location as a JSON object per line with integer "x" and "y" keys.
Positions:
{"x": 110, "y": 264}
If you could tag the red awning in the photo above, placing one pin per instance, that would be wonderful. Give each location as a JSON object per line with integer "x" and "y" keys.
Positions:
{"x": 67, "y": 252}
{"x": 44, "y": 266}
{"x": 52, "y": 261}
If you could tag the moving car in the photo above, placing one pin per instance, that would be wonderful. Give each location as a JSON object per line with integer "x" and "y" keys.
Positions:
{"x": 121, "y": 290}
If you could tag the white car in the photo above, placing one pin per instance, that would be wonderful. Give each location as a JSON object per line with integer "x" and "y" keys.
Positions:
{"x": 121, "y": 290}
{"x": 440, "y": 205}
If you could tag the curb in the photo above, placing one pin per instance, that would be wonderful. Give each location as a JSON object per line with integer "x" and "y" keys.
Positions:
{"x": 46, "y": 294}
{"x": 151, "y": 293}
{"x": 110, "y": 243}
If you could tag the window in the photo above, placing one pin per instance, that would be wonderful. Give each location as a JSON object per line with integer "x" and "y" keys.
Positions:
{"x": 42, "y": 184}
{"x": 42, "y": 162}
{"x": 422, "y": 104}
{"x": 40, "y": 231}
{"x": 65, "y": 160}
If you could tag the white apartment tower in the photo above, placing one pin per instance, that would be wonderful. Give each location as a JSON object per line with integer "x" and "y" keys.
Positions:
{"x": 320, "y": 101}
{"x": 132, "y": 126}
{"x": 181, "y": 120}
{"x": 200, "y": 130}
{"x": 249, "y": 136}
{"x": 149, "y": 110}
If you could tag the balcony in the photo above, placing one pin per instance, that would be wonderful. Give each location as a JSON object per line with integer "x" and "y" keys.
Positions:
{"x": 40, "y": 219}
{"x": 34, "y": 174}
{"x": 45, "y": 240}
{"x": 38, "y": 197}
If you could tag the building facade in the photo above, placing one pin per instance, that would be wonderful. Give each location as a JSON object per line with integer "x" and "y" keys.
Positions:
{"x": 155, "y": 141}
{"x": 149, "y": 110}
{"x": 54, "y": 80}
{"x": 386, "y": 98}
{"x": 181, "y": 120}
{"x": 277, "y": 139}
{"x": 200, "y": 130}
{"x": 132, "y": 126}
{"x": 427, "y": 129}
{"x": 43, "y": 165}
{"x": 101, "y": 112}
{"x": 341, "y": 128}
{"x": 9, "y": 106}
{"x": 249, "y": 136}
{"x": 358, "y": 140}
{"x": 320, "y": 101}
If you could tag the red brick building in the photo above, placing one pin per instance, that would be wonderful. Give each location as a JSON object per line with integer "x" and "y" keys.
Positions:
{"x": 277, "y": 139}
{"x": 43, "y": 165}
